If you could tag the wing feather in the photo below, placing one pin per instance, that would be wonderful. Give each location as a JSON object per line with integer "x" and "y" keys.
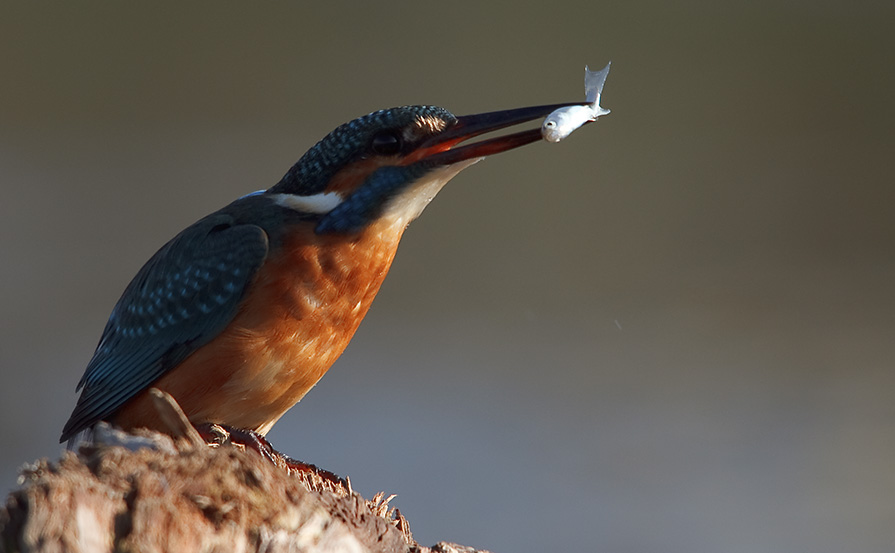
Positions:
{"x": 184, "y": 296}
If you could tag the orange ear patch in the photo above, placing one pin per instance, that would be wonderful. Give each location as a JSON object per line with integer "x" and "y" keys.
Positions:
{"x": 350, "y": 178}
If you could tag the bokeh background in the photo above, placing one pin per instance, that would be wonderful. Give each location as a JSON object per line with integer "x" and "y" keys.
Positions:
{"x": 672, "y": 332}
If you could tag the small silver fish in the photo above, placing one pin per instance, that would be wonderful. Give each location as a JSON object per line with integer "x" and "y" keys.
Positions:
{"x": 563, "y": 121}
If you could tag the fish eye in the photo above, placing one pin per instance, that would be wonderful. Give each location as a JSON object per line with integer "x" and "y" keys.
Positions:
{"x": 386, "y": 143}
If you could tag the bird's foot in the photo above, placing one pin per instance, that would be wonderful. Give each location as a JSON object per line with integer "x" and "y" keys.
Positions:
{"x": 249, "y": 439}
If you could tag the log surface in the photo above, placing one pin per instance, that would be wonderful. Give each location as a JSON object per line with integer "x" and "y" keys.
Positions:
{"x": 199, "y": 499}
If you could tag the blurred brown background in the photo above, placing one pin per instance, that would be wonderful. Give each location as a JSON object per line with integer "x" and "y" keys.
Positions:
{"x": 672, "y": 332}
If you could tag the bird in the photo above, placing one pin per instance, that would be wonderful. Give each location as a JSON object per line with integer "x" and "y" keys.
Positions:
{"x": 239, "y": 315}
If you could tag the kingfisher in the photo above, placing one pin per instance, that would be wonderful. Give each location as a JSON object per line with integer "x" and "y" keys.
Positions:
{"x": 239, "y": 315}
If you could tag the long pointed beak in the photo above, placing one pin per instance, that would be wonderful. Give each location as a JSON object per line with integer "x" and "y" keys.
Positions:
{"x": 440, "y": 150}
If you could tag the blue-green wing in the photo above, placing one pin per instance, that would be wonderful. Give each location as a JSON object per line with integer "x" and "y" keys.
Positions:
{"x": 182, "y": 298}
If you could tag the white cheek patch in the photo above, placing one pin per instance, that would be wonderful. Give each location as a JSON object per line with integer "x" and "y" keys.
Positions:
{"x": 319, "y": 204}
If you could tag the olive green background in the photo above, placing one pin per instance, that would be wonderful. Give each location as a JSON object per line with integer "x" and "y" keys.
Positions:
{"x": 671, "y": 332}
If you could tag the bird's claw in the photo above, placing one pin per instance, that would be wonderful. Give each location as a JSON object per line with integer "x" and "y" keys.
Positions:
{"x": 216, "y": 434}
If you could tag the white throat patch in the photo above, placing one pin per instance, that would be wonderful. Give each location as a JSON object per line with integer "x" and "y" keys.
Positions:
{"x": 407, "y": 206}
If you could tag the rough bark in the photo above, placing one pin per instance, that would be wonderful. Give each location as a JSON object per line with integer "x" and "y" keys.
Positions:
{"x": 152, "y": 493}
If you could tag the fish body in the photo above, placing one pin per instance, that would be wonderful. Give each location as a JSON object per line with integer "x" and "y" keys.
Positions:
{"x": 562, "y": 122}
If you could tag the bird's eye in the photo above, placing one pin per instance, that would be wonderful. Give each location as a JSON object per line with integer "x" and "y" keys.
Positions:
{"x": 386, "y": 143}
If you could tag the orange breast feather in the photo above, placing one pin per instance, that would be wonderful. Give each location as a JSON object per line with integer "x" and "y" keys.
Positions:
{"x": 298, "y": 317}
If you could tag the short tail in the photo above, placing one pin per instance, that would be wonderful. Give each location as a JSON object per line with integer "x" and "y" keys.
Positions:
{"x": 83, "y": 437}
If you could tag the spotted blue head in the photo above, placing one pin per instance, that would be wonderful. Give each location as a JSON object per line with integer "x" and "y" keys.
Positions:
{"x": 392, "y": 162}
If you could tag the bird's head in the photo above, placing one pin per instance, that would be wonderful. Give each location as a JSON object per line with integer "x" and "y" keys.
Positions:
{"x": 391, "y": 163}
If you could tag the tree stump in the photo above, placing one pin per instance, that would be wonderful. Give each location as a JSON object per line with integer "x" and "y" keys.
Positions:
{"x": 152, "y": 493}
